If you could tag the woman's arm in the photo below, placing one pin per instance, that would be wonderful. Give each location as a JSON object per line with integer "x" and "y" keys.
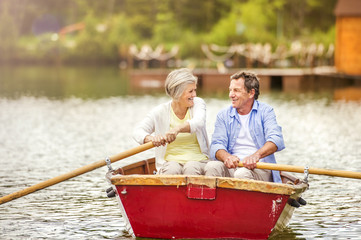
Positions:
{"x": 172, "y": 134}
{"x": 143, "y": 131}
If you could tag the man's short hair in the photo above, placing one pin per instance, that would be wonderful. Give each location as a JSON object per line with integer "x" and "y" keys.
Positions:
{"x": 251, "y": 81}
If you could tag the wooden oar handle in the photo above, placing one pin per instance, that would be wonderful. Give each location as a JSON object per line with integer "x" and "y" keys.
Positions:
{"x": 299, "y": 169}
{"x": 131, "y": 152}
{"x": 75, "y": 173}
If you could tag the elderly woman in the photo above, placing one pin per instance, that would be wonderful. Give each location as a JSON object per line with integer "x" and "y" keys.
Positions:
{"x": 178, "y": 127}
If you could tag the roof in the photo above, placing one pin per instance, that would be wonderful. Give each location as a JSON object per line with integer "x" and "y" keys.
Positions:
{"x": 348, "y": 8}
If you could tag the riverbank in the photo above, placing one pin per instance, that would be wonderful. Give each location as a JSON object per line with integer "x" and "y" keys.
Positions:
{"x": 288, "y": 80}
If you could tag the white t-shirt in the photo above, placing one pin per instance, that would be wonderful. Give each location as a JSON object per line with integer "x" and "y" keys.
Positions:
{"x": 244, "y": 144}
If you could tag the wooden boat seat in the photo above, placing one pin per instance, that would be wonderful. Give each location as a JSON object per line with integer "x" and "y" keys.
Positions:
{"x": 143, "y": 167}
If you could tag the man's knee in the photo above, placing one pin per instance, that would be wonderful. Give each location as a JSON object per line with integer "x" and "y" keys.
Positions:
{"x": 243, "y": 173}
{"x": 215, "y": 168}
{"x": 256, "y": 174}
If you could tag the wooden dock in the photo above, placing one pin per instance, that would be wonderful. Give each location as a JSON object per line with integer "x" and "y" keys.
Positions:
{"x": 271, "y": 79}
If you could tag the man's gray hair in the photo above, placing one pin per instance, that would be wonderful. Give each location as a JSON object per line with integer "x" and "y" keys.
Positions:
{"x": 177, "y": 80}
{"x": 251, "y": 81}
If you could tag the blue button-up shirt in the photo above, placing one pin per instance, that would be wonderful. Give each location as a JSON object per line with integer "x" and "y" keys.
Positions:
{"x": 263, "y": 128}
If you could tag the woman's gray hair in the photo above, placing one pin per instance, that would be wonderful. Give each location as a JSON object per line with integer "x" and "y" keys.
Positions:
{"x": 177, "y": 80}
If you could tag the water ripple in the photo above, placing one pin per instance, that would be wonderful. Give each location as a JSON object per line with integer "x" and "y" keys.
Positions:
{"x": 42, "y": 138}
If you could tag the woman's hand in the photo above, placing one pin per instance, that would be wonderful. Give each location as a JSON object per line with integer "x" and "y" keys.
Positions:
{"x": 157, "y": 140}
{"x": 171, "y": 135}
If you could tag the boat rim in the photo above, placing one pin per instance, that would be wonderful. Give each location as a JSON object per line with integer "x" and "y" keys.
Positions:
{"x": 208, "y": 181}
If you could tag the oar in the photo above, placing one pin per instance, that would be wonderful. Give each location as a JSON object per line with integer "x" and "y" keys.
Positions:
{"x": 299, "y": 169}
{"x": 75, "y": 173}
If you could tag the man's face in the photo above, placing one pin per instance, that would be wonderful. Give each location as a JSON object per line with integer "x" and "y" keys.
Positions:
{"x": 238, "y": 93}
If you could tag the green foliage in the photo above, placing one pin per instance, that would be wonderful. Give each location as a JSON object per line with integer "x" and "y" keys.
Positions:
{"x": 326, "y": 38}
{"x": 89, "y": 41}
{"x": 142, "y": 18}
{"x": 111, "y": 26}
{"x": 200, "y": 16}
{"x": 166, "y": 30}
{"x": 190, "y": 45}
{"x": 102, "y": 40}
{"x": 251, "y": 21}
{"x": 259, "y": 19}
{"x": 302, "y": 18}
{"x": 224, "y": 32}
{"x": 119, "y": 33}
{"x": 44, "y": 47}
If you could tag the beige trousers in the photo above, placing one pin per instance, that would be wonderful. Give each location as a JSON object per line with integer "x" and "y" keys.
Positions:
{"x": 218, "y": 169}
{"x": 189, "y": 168}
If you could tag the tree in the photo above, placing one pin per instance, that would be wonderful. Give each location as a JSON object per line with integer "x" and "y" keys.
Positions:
{"x": 8, "y": 33}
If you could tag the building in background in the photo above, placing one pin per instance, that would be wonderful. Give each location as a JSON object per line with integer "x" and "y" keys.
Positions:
{"x": 348, "y": 37}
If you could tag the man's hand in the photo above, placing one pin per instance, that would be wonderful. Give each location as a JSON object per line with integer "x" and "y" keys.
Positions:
{"x": 231, "y": 161}
{"x": 250, "y": 162}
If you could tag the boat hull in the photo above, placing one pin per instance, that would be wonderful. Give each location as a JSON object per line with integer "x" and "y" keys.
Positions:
{"x": 200, "y": 207}
{"x": 167, "y": 212}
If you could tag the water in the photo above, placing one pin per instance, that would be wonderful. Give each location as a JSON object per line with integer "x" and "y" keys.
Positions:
{"x": 52, "y": 124}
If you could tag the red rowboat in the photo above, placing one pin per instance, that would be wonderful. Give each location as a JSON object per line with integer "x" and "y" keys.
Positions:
{"x": 176, "y": 206}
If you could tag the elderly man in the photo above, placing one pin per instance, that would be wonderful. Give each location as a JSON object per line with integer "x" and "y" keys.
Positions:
{"x": 247, "y": 132}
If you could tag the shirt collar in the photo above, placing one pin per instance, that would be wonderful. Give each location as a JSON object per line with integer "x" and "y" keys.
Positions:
{"x": 255, "y": 105}
{"x": 233, "y": 112}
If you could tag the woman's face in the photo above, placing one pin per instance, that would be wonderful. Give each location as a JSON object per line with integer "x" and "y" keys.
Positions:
{"x": 188, "y": 94}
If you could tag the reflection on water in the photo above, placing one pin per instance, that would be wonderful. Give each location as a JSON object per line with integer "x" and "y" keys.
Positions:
{"x": 45, "y": 135}
{"x": 63, "y": 82}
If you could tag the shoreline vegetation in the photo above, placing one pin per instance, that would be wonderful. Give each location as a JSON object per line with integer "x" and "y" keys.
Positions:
{"x": 162, "y": 34}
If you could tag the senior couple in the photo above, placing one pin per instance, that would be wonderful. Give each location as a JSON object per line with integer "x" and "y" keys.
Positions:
{"x": 246, "y": 131}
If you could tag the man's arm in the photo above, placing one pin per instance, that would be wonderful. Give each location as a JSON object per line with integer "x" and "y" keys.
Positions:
{"x": 273, "y": 132}
{"x": 219, "y": 136}
{"x": 231, "y": 161}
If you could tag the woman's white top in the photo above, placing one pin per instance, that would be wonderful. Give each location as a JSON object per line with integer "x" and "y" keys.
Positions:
{"x": 157, "y": 121}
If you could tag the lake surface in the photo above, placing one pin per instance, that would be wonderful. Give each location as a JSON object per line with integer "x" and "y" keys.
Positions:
{"x": 55, "y": 120}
